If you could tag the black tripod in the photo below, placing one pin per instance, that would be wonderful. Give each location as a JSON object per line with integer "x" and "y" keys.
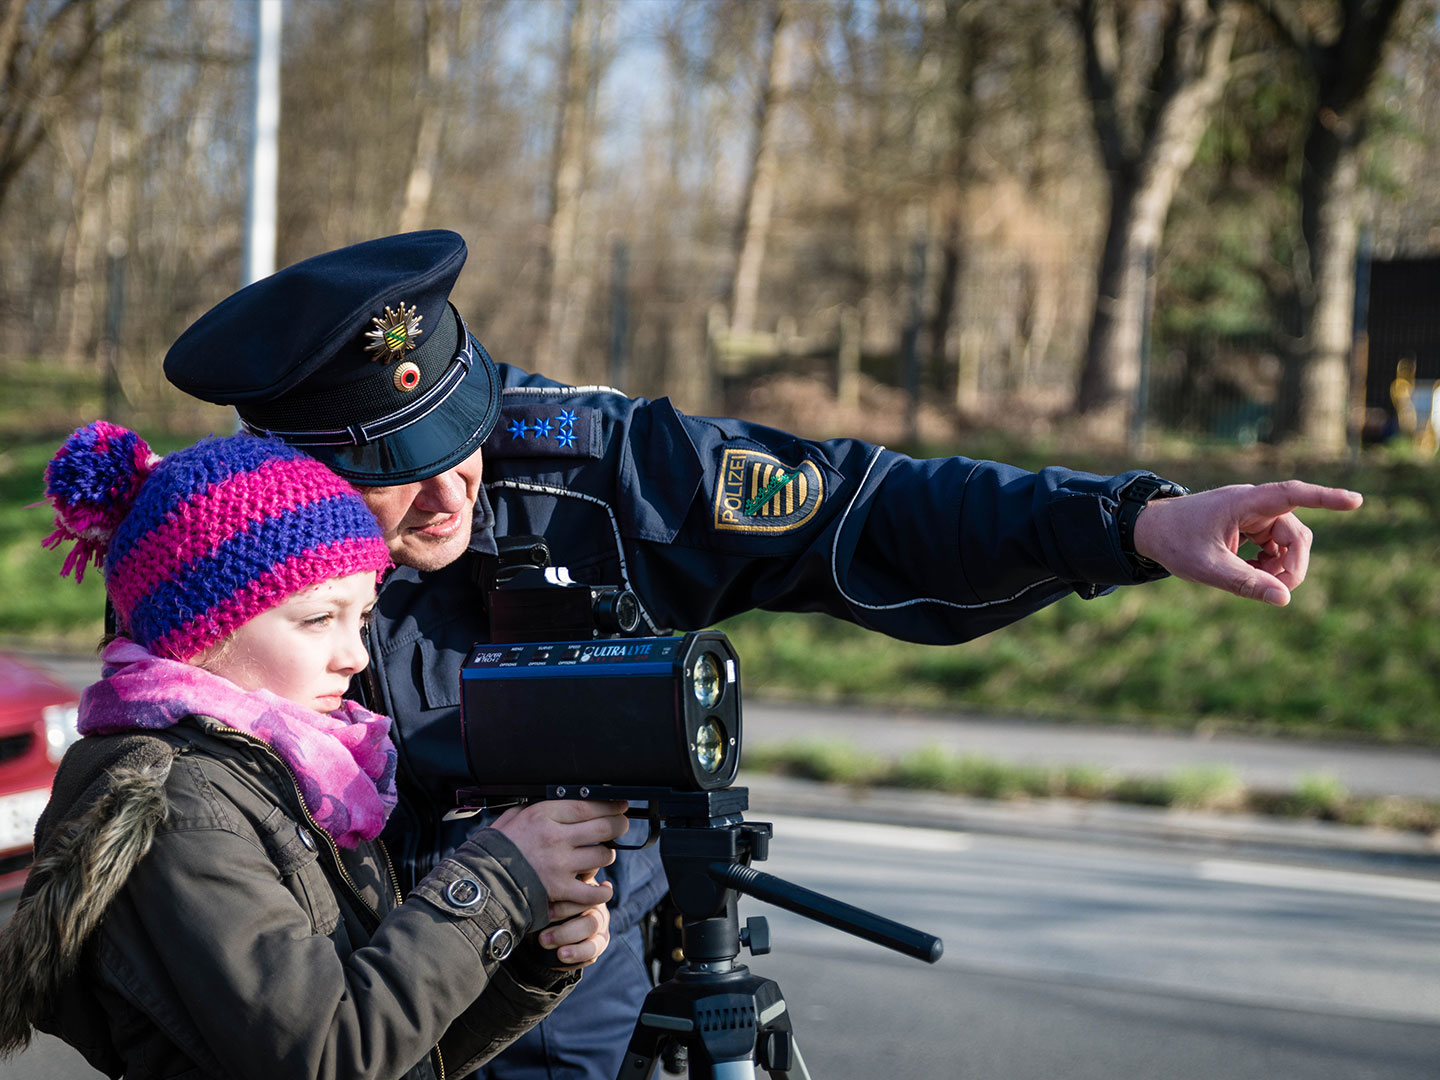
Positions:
{"x": 727, "y": 1019}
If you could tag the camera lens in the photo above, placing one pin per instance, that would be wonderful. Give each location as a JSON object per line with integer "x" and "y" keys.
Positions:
{"x": 710, "y": 745}
{"x": 615, "y": 611}
{"x": 705, "y": 680}
{"x": 627, "y": 612}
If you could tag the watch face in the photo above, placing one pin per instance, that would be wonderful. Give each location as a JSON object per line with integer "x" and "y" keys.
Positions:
{"x": 1144, "y": 488}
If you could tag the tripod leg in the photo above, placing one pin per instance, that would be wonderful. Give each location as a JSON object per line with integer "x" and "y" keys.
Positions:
{"x": 733, "y": 1070}
{"x": 636, "y": 1066}
{"x": 651, "y": 1030}
{"x": 797, "y": 1070}
{"x": 776, "y": 1050}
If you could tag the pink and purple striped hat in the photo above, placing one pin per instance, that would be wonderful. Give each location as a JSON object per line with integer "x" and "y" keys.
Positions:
{"x": 196, "y": 544}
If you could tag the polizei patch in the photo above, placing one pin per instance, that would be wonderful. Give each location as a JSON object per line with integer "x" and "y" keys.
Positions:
{"x": 757, "y": 494}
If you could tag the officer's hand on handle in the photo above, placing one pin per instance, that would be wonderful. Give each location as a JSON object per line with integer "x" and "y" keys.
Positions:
{"x": 563, "y": 841}
{"x": 1196, "y": 537}
{"x": 579, "y": 941}
{"x": 564, "y": 909}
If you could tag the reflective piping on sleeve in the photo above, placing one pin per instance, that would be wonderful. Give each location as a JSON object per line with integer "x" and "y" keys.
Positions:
{"x": 541, "y": 489}
{"x": 835, "y": 564}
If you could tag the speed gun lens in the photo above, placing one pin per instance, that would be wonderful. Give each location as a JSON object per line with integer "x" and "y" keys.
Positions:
{"x": 710, "y": 745}
{"x": 705, "y": 678}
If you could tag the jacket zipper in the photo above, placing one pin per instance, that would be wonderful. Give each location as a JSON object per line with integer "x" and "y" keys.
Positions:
{"x": 335, "y": 850}
{"x": 390, "y": 872}
{"x": 329, "y": 840}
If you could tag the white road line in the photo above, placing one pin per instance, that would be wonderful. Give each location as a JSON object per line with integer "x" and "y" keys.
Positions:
{"x": 858, "y": 832}
{"x": 1334, "y": 881}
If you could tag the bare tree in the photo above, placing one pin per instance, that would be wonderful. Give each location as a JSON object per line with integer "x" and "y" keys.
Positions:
{"x": 1148, "y": 125}
{"x": 567, "y": 282}
{"x": 439, "y": 30}
{"x": 45, "y": 51}
{"x": 84, "y": 142}
{"x": 759, "y": 204}
{"x": 1341, "y": 49}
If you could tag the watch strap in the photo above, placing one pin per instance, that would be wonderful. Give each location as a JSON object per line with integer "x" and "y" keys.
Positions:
{"x": 1134, "y": 497}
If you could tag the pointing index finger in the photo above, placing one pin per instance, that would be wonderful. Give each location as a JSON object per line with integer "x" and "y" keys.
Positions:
{"x": 1283, "y": 496}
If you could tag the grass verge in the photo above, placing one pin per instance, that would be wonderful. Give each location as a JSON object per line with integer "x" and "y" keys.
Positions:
{"x": 1355, "y": 656}
{"x": 1213, "y": 789}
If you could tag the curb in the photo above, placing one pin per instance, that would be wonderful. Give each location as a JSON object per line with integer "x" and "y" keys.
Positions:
{"x": 1100, "y": 822}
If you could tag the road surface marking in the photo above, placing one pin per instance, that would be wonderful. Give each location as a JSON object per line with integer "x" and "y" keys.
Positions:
{"x": 1335, "y": 881}
{"x": 904, "y": 837}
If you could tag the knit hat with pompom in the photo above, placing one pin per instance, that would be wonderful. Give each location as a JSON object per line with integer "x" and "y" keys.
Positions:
{"x": 196, "y": 544}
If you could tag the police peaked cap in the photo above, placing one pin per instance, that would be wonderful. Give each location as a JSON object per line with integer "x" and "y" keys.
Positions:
{"x": 355, "y": 356}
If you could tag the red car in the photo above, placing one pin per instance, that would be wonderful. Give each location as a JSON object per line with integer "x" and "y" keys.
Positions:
{"x": 37, "y": 723}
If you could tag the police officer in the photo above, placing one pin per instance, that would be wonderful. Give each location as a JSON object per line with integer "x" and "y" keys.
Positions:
{"x": 358, "y": 357}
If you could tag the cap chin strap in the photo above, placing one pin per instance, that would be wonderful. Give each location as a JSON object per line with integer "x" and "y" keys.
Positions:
{"x": 374, "y": 430}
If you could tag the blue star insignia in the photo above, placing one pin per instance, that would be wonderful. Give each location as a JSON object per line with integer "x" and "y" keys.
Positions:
{"x": 542, "y": 429}
{"x": 517, "y": 429}
{"x": 567, "y": 418}
{"x": 566, "y": 438}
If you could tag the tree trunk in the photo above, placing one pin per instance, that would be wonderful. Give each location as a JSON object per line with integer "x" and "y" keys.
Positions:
{"x": 34, "y": 81}
{"x": 1315, "y": 395}
{"x": 1112, "y": 351}
{"x": 79, "y": 262}
{"x": 120, "y": 194}
{"x": 952, "y": 260}
{"x": 425, "y": 153}
{"x": 1145, "y": 171}
{"x": 760, "y": 192}
{"x": 1332, "y": 237}
{"x": 99, "y": 169}
{"x": 563, "y": 284}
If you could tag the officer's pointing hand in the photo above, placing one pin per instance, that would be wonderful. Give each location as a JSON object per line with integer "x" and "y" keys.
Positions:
{"x": 1196, "y": 537}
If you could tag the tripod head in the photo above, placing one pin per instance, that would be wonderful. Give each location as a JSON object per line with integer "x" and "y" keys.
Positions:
{"x": 707, "y": 863}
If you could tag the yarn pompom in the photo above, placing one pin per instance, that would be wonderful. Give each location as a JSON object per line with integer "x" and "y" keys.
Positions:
{"x": 92, "y": 482}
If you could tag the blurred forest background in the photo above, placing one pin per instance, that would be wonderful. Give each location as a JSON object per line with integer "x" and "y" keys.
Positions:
{"x": 1098, "y": 232}
{"x": 1119, "y": 212}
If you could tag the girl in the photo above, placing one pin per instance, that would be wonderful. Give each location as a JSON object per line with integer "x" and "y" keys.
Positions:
{"x": 209, "y": 896}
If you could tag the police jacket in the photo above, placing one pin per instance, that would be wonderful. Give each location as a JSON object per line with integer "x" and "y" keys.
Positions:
{"x": 705, "y": 518}
{"x": 186, "y": 917}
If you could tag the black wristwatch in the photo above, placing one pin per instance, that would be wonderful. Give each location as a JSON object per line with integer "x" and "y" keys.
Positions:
{"x": 1133, "y": 498}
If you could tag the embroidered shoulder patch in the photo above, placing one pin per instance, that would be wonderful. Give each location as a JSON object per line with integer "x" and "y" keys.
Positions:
{"x": 755, "y": 493}
{"x": 544, "y": 431}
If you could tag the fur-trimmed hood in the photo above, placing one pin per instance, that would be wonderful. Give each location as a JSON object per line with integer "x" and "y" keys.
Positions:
{"x": 107, "y": 803}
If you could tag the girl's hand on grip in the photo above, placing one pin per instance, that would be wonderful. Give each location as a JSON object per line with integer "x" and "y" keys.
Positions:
{"x": 579, "y": 941}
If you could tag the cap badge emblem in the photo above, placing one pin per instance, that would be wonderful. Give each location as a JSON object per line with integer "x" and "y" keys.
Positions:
{"x": 394, "y": 334}
{"x": 407, "y": 376}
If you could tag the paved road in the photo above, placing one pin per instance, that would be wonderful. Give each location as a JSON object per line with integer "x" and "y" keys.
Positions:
{"x": 1261, "y": 763}
{"x": 1088, "y": 962}
{"x": 1091, "y": 963}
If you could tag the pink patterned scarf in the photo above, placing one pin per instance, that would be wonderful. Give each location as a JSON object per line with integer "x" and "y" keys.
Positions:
{"x": 344, "y": 761}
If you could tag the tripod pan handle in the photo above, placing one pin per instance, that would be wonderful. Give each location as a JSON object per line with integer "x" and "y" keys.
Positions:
{"x": 827, "y": 910}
